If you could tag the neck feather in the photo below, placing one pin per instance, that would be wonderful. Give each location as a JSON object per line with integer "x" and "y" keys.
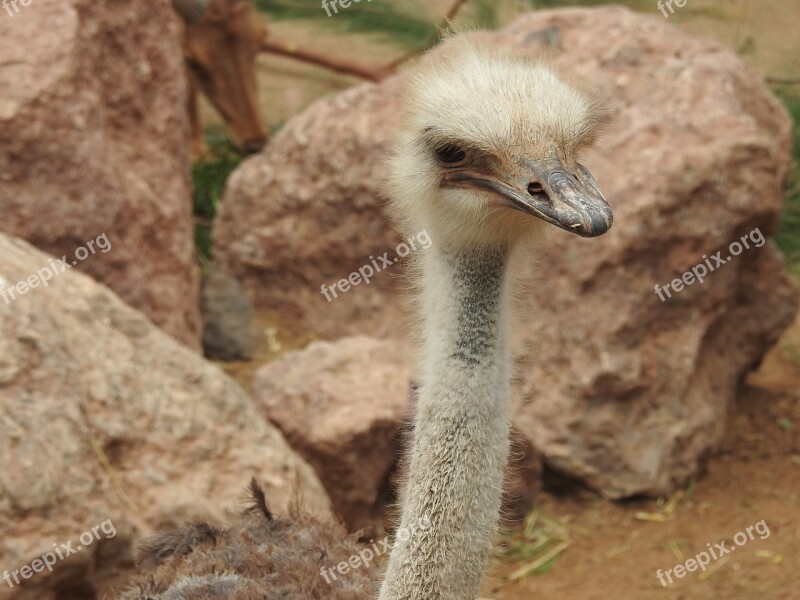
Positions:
{"x": 458, "y": 459}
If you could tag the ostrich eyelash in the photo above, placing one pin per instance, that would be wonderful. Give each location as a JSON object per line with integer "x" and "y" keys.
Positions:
{"x": 450, "y": 155}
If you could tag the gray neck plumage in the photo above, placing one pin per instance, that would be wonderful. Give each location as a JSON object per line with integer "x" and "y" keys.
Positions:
{"x": 452, "y": 500}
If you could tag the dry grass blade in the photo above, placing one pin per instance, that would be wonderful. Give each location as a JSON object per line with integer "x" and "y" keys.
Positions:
{"x": 713, "y": 569}
{"x": 542, "y": 540}
{"x": 676, "y": 551}
{"x": 666, "y": 513}
{"x": 540, "y": 562}
{"x": 773, "y": 556}
{"x": 618, "y": 550}
{"x": 112, "y": 475}
{"x": 652, "y": 517}
{"x": 104, "y": 462}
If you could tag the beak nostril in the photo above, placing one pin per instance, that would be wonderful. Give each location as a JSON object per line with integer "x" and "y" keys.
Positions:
{"x": 535, "y": 188}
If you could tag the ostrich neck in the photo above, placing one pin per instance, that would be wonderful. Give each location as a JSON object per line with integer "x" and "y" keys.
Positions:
{"x": 452, "y": 499}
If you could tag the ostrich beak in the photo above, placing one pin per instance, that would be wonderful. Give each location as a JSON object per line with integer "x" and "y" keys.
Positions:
{"x": 569, "y": 199}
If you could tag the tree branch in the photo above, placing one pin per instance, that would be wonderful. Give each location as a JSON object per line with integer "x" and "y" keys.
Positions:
{"x": 437, "y": 35}
{"x": 784, "y": 80}
{"x": 337, "y": 65}
{"x": 352, "y": 68}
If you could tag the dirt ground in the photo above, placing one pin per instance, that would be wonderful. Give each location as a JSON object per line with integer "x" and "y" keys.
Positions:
{"x": 614, "y": 553}
{"x": 606, "y": 550}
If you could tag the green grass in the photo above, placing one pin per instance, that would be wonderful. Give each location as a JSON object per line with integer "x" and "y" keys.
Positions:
{"x": 405, "y": 23}
{"x": 536, "y": 546}
{"x": 208, "y": 182}
{"x": 788, "y": 236}
{"x": 541, "y": 4}
{"x": 401, "y": 23}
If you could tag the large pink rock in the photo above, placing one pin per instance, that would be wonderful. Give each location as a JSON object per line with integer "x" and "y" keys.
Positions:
{"x": 106, "y": 421}
{"x": 306, "y": 212}
{"x": 345, "y": 407}
{"x": 341, "y": 405}
{"x": 617, "y": 388}
{"x": 93, "y": 141}
{"x": 614, "y": 386}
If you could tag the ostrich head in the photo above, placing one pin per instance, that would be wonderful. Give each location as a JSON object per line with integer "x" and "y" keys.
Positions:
{"x": 489, "y": 149}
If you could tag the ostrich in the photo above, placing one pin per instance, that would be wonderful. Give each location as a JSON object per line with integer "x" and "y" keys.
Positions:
{"x": 486, "y": 160}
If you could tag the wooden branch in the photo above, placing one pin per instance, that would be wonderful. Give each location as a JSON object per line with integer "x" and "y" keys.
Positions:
{"x": 352, "y": 68}
{"x": 451, "y": 14}
{"x": 337, "y": 65}
{"x": 784, "y": 80}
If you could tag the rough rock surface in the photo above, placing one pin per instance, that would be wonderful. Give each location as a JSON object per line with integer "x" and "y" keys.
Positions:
{"x": 306, "y": 213}
{"x": 227, "y": 318}
{"x": 343, "y": 406}
{"x": 93, "y": 140}
{"x": 615, "y": 387}
{"x": 104, "y": 416}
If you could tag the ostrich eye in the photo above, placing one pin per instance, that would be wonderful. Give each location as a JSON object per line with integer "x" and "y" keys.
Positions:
{"x": 450, "y": 155}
